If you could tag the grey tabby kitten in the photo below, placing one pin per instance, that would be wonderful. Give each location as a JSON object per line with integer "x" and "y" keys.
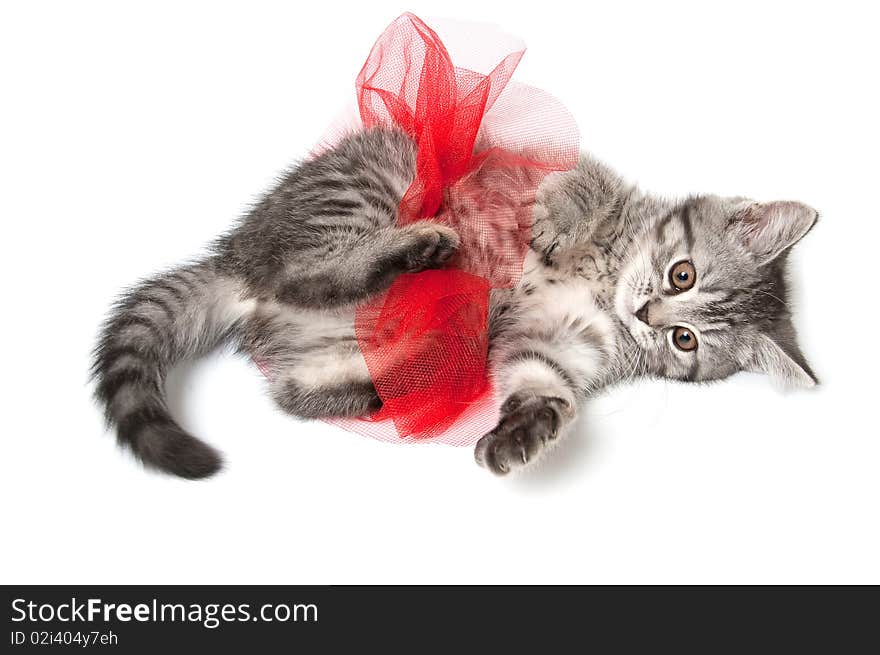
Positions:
{"x": 617, "y": 284}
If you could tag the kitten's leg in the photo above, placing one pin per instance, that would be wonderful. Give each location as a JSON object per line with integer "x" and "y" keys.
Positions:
{"x": 543, "y": 375}
{"x": 328, "y": 381}
{"x": 359, "y": 265}
{"x": 541, "y": 401}
{"x": 312, "y": 360}
{"x": 346, "y": 398}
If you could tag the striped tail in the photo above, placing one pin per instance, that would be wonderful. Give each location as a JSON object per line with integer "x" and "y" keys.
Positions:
{"x": 178, "y": 315}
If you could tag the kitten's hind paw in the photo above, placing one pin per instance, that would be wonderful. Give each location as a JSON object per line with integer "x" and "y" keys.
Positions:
{"x": 528, "y": 424}
{"x": 432, "y": 246}
{"x": 353, "y": 399}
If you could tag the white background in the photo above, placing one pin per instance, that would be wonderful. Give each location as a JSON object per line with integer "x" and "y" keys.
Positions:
{"x": 133, "y": 133}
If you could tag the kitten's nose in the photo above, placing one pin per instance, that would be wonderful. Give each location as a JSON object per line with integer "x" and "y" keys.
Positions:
{"x": 642, "y": 313}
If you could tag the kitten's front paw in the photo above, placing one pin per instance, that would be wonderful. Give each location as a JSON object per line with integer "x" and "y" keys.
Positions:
{"x": 528, "y": 424}
{"x": 432, "y": 246}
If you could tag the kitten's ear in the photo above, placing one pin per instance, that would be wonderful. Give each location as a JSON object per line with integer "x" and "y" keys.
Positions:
{"x": 769, "y": 228}
{"x": 781, "y": 359}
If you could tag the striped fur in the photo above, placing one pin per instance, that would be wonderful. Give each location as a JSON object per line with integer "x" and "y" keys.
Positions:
{"x": 176, "y": 316}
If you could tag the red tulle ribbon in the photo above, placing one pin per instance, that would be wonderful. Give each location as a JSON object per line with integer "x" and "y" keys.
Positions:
{"x": 425, "y": 340}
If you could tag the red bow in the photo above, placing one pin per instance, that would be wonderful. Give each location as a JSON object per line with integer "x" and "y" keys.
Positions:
{"x": 425, "y": 340}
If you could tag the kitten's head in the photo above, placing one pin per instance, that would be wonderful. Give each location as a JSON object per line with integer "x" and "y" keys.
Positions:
{"x": 704, "y": 293}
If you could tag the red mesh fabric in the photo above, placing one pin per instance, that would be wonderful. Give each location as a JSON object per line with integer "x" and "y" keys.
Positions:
{"x": 425, "y": 341}
{"x": 409, "y": 81}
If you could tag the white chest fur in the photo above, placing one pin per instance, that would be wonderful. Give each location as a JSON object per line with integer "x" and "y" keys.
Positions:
{"x": 558, "y": 320}
{"x": 566, "y": 303}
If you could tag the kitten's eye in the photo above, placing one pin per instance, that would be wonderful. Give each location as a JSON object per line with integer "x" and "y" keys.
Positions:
{"x": 684, "y": 339}
{"x": 683, "y": 275}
